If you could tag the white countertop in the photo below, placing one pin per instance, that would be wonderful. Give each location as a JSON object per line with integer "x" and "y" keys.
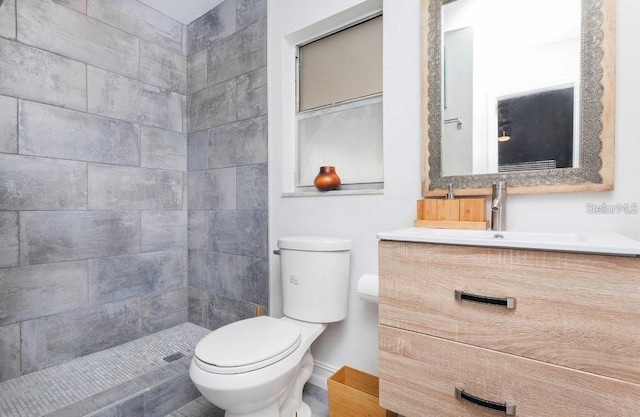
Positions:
{"x": 609, "y": 243}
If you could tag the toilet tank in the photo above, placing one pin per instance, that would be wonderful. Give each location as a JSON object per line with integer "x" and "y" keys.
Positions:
{"x": 315, "y": 278}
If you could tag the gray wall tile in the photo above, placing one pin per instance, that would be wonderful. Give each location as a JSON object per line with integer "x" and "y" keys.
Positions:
{"x": 34, "y": 74}
{"x": 28, "y": 183}
{"x": 197, "y": 71}
{"x": 164, "y": 310}
{"x": 252, "y": 94}
{"x": 252, "y": 185}
{"x": 227, "y": 247}
{"x": 164, "y": 374}
{"x": 185, "y": 266}
{"x": 112, "y": 95}
{"x": 116, "y": 278}
{"x": 168, "y": 397}
{"x": 253, "y": 280}
{"x": 213, "y": 272}
{"x": 140, "y": 20}
{"x": 131, "y": 407}
{"x": 238, "y": 54}
{"x": 92, "y": 65}
{"x": 223, "y": 310}
{"x": 212, "y": 107}
{"x": 79, "y": 5}
{"x": 214, "y": 189}
{"x": 240, "y": 143}
{"x": 185, "y": 114}
{"x": 198, "y": 150}
{"x": 184, "y": 40}
{"x": 52, "y": 340}
{"x": 60, "y": 133}
{"x": 198, "y": 307}
{"x": 8, "y": 19}
{"x": 9, "y": 255}
{"x": 249, "y": 12}
{"x": 8, "y": 124}
{"x": 185, "y": 191}
{"x": 163, "y": 149}
{"x": 10, "y": 366}
{"x": 160, "y": 107}
{"x": 198, "y": 235}
{"x": 234, "y": 232}
{"x": 200, "y": 407}
{"x": 218, "y": 23}
{"x": 50, "y": 26}
{"x": 122, "y": 400}
{"x": 124, "y": 98}
{"x": 59, "y": 236}
{"x": 115, "y": 187}
{"x": 162, "y": 230}
{"x": 163, "y": 68}
{"x": 30, "y": 292}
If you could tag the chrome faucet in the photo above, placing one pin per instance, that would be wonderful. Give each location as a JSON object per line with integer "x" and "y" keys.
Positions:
{"x": 499, "y": 206}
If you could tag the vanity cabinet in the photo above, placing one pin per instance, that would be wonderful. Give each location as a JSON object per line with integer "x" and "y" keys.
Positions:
{"x": 477, "y": 331}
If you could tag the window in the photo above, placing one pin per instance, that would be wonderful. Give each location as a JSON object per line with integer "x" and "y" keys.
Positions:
{"x": 339, "y": 109}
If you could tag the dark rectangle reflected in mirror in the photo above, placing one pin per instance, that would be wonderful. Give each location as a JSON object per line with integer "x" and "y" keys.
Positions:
{"x": 536, "y": 131}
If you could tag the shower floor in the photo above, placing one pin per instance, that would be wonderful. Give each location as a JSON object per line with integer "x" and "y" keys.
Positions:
{"x": 131, "y": 378}
{"x": 128, "y": 380}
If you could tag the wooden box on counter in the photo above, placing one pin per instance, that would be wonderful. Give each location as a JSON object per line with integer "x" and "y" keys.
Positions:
{"x": 459, "y": 213}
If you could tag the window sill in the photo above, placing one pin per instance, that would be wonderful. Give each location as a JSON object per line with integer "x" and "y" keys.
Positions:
{"x": 311, "y": 193}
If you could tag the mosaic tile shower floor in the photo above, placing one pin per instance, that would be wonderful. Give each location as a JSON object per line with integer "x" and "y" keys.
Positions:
{"x": 90, "y": 385}
{"x": 43, "y": 392}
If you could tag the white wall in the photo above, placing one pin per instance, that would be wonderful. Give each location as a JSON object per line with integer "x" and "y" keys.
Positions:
{"x": 354, "y": 341}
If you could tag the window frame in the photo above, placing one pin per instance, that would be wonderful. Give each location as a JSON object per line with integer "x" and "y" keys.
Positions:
{"x": 351, "y": 188}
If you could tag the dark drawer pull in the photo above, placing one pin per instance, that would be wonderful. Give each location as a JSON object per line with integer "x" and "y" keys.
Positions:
{"x": 507, "y": 409}
{"x": 507, "y": 302}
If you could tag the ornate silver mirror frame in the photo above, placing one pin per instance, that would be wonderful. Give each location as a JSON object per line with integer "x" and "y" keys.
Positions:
{"x": 597, "y": 86}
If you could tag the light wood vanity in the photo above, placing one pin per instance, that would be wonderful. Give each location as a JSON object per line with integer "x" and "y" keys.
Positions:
{"x": 558, "y": 335}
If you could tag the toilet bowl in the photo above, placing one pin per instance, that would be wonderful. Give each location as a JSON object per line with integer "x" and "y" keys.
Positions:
{"x": 264, "y": 387}
{"x": 257, "y": 367}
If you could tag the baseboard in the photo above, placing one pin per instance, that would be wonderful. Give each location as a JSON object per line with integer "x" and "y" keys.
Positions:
{"x": 321, "y": 372}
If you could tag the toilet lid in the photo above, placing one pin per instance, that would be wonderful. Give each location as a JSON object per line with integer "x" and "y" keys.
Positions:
{"x": 248, "y": 344}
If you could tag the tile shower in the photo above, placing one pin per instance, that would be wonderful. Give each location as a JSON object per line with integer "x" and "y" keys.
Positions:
{"x": 133, "y": 174}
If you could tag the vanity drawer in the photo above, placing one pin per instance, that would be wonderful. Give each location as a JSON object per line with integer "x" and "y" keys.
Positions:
{"x": 419, "y": 375}
{"x": 575, "y": 310}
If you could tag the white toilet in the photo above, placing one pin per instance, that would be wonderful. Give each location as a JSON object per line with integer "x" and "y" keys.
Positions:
{"x": 258, "y": 367}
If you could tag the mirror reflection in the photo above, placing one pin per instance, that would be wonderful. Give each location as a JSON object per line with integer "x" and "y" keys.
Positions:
{"x": 510, "y": 85}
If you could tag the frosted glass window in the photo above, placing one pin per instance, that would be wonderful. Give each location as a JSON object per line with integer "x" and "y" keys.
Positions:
{"x": 342, "y": 66}
{"x": 347, "y": 136}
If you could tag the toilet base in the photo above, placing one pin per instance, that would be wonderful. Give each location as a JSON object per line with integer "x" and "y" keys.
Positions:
{"x": 303, "y": 411}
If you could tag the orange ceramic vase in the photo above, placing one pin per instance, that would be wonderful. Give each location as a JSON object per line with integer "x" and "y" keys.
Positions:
{"x": 327, "y": 179}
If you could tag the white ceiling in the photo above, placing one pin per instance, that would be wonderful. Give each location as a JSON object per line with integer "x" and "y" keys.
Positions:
{"x": 185, "y": 11}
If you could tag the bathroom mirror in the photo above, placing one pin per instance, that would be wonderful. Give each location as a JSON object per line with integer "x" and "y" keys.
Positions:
{"x": 518, "y": 90}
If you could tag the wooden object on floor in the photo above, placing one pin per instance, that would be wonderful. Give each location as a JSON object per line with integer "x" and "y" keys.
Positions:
{"x": 353, "y": 393}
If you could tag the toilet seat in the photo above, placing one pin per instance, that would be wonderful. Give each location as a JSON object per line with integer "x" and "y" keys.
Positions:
{"x": 247, "y": 345}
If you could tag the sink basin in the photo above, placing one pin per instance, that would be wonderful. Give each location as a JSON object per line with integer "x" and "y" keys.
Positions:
{"x": 610, "y": 243}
